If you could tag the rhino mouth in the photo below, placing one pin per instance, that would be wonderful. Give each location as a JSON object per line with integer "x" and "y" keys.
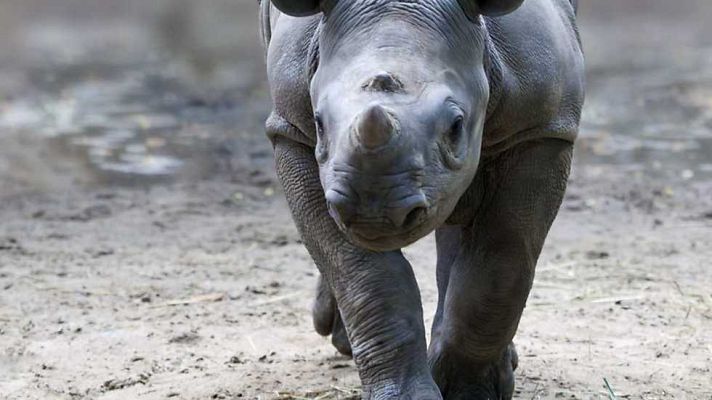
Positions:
{"x": 383, "y": 237}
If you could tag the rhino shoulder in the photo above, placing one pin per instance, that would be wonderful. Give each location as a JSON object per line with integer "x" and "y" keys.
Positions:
{"x": 539, "y": 88}
{"x": 290, "y": 59}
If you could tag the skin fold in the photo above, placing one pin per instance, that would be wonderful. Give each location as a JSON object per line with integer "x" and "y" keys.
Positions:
{"x": 394, "y": 119}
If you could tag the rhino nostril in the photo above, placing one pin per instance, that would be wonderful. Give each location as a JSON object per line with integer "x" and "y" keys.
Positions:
{"x": 408, "y": 213}
{"x": 340, "y": 207}
{"x": 414, "y": 216}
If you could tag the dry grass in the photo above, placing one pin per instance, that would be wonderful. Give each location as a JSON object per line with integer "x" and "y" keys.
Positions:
{"x": 333, "y": 393}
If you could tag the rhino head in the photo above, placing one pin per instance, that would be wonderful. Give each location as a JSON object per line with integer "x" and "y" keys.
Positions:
{"x": 400, "y": 97}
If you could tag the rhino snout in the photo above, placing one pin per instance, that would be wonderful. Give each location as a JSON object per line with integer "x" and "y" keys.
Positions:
{"x": 371, "y": 219}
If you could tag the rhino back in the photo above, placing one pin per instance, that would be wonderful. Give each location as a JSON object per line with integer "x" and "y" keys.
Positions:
{"x": 538, "y": 86}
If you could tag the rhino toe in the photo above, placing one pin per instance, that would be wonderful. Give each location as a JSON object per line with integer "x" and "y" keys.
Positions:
{"x": 327, "y": 320}
{"x": 339, "y": 338}
{"x": 324, "y": 309}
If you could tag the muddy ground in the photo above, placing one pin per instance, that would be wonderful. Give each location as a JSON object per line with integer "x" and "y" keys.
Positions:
{"x": 146, "y": 251}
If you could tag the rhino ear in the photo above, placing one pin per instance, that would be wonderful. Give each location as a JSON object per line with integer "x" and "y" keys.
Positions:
{"x": 490, "y": 8}
{"x": 298, "y": 8}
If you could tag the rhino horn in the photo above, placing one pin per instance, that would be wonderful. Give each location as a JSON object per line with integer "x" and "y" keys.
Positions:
{"x": 375, "y": 127}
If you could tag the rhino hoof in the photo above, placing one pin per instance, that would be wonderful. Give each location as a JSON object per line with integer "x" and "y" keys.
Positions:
{"x": 339, "y": 338}
{"x": 495, "y": 382}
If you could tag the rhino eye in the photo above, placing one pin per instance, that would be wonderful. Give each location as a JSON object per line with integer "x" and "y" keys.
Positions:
{"x": 321, "y": 150}
{"x": 453, "y": 144}
{"x": 454, "y": 135}
{"x": 319, "y": 127}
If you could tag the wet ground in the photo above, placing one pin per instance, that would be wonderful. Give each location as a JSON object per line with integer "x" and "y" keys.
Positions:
{"x": 146, "y": 252}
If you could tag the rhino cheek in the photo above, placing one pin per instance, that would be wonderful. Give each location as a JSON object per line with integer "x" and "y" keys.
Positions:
{"x": 449, "y": 186}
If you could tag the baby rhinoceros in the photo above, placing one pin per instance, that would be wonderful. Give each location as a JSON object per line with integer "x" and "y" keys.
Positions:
{"x": 396, "y": 118}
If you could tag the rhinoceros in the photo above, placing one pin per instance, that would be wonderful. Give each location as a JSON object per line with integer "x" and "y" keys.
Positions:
{"x": 393, "y": 119}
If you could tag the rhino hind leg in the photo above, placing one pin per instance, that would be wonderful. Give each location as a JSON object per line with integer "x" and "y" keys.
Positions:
{"x": 486, "y": 281}
{"x": 327, "y": 319}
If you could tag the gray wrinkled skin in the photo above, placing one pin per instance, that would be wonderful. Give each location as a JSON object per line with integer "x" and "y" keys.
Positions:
{"x": 394, "y": 119}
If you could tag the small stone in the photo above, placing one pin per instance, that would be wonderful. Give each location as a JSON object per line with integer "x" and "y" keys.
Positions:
{"x": 235, "y": 360}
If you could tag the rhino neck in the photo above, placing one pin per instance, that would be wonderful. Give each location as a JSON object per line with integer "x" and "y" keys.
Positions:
{"x": 493, "y": 65}
{"x": 313, "y": 52}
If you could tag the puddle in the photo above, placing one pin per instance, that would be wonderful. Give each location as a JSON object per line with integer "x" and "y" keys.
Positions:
{"x": 118, "y": 129}
{"x": 140, "y": 127}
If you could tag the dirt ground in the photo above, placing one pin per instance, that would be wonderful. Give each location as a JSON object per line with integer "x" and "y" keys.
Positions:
{"x": 146, "y": 251}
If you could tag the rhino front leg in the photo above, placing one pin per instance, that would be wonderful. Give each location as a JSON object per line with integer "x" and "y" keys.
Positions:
{"x": 376, "y": 293}
{"x": 487, "y": 268}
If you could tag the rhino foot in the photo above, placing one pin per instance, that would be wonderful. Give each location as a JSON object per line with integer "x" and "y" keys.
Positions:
{"x": 415, "y": 390}
{"x": 327, "y": 319}
{"x": 493, "y": 382}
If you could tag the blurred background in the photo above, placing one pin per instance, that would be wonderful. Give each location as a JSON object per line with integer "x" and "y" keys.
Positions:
{"x": 135, "y": 177}
{"x": 144, "y": 91}
{"x": 129, "y": 92}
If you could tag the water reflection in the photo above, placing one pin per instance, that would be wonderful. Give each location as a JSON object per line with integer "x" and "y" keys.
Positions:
{"x": 110, "y": 120}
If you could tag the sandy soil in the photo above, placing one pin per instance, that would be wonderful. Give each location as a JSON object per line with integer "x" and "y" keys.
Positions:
{"x": 191, "y": 282}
